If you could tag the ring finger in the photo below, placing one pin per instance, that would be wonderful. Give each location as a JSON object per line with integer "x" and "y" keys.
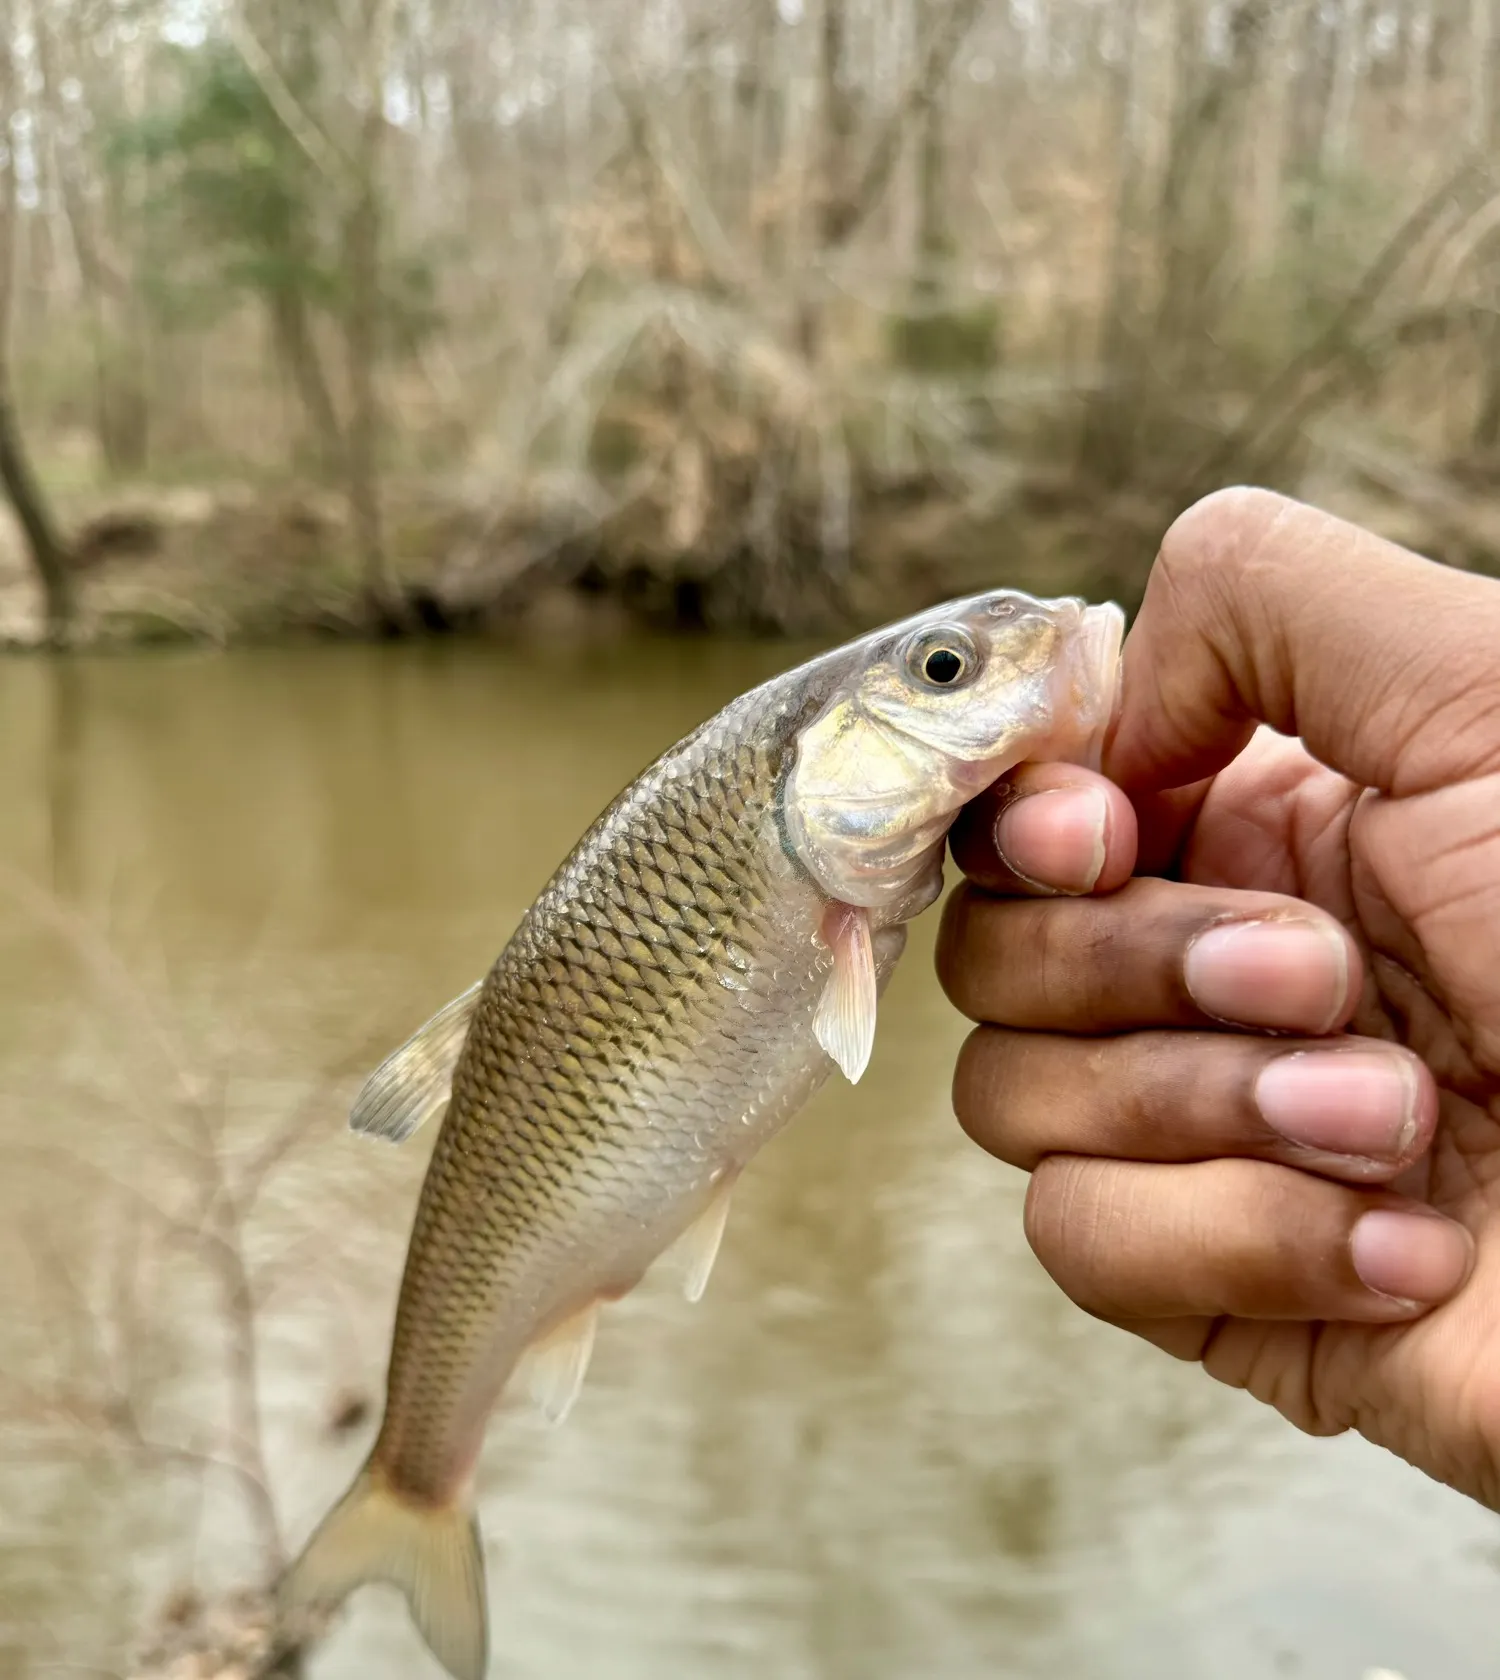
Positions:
{"x": 1348, "y": 1108}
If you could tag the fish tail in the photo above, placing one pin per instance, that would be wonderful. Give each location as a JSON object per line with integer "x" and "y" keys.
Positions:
{"x": 431, "y": 1552}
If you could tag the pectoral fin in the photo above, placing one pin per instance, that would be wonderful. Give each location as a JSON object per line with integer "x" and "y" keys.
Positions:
{"x": 414, "y": 1083}
{"x": 844, "y": 1023}
{"x": 698, "y": 1246}
{"x": 551, "y": 1370}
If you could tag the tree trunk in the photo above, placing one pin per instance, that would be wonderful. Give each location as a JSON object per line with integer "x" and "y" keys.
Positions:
{"x": 121, "y": 411}
{"x": 44, "y": 546}
{"x": 1038, "y": 55}
{"x": 831, "y": 174}
{"x": 751, "y": 158}
{"x": 362, "y": 326}
{"x": 49, "y": 558}
{"x": 1486, "y": 435}
{"x": 846, "y": 196}
{"x": 1484, "y": 439}
{"x": 766, "y": 100}
{"x": 1481, "y": 72}
{"x": 1416, "y": 45}
{"x": 1105, "y": 438}
{"x": 292, "y": 333}
{"x": 837, "y": 131}
{"x": 1348, "y": 67}
{"x": 283, "y": 34}
{"x": 1197, "y": 227}
{"x": 1269, "y": 133}
{"x": 362, "y": 235}
{"x": 933, "y": 244}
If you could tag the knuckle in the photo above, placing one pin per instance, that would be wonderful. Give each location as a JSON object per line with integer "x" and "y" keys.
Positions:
{"x": 1219, "y": 529}
{"x": 1073, "y": 958}
{"x": 1025, "y": 1095}
{"x": 1041, "y": 1217}
{"x": 952, "y": 956}
{"x": 1274, "y": 1361}
{"x": 974, "y": 1084}
{"x": 1098, "y": 953}
{"x": 1048, "y": 963}
{"x": 1072, "y": 1225}
{"x": 1211, "y": 553}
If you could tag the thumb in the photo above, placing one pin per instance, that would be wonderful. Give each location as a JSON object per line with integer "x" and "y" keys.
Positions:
{"x": 1261, "y": 609}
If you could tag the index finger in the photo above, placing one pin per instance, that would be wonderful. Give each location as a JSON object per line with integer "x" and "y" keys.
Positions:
{"x": 1261, "y": 609}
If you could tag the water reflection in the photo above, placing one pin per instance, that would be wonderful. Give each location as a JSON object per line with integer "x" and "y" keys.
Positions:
{"x": 64, "y": 767}
{"x": 882, "y": 1446}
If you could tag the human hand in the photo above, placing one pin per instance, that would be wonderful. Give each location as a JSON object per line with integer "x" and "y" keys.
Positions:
{"x": 1248, "y": 1046}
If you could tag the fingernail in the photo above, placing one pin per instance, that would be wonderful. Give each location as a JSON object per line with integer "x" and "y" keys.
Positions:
{"x": 1055, "y": 838}
{"x": 1287, "y": 974}
{"x": 1347, "y": 1102}
{"x": 1414, "y": 1257}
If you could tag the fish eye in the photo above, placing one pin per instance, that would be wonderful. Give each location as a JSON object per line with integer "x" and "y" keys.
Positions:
{"x": 942, "y": 658}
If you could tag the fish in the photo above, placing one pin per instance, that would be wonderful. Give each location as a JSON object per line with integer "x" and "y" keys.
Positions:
{"x": 711, "y": 951}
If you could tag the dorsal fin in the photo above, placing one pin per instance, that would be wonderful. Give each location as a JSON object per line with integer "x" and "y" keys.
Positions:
{"x": 414, "y": 1082}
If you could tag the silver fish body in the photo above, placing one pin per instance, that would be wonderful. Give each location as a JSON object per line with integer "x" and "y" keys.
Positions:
{"x": 712, "y": 949}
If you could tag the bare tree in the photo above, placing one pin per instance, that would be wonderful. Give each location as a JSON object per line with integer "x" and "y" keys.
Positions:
{"x": 1481, "y": 73}
{"x": 198, "y": 1215}
{"x": 621, "y": 296}
{"x": 362, "y": 256}
{"x": 44, "y": 543}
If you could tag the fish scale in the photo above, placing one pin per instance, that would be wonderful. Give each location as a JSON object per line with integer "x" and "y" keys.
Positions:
{"x": 539, "y": 1091}
{"x": 712, "y": 948}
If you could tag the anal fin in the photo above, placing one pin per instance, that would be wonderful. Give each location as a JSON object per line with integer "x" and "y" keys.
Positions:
{"x": 552, "y": 1369}
{"x": 698, "y": 1246}
{"x": 844, "y": 1023}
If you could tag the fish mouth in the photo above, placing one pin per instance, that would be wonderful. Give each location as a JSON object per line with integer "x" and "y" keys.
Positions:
{"x": 1097, "y": 663}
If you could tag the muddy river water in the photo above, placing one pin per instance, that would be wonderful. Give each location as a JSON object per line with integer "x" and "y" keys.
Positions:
{"x": 881, "y": 1448}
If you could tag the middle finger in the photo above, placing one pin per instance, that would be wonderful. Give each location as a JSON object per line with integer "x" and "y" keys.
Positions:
{"x": 1155, "y": 954}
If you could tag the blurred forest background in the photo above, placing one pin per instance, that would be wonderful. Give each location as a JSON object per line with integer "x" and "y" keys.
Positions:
{"x": 340, "y": 315}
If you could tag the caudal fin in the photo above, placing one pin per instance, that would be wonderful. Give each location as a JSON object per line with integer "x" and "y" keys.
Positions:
{"x": 432, "y": 1553}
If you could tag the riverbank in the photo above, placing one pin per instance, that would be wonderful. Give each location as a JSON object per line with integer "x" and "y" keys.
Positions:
{"x": 236, "y": 563}
{"x": 240, "y": 563}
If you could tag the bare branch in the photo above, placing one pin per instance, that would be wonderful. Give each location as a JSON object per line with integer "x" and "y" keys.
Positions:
{"x": 321, "y": 151}
{"x": 1286, "y": 400}
{"x": 849, "y": 214}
